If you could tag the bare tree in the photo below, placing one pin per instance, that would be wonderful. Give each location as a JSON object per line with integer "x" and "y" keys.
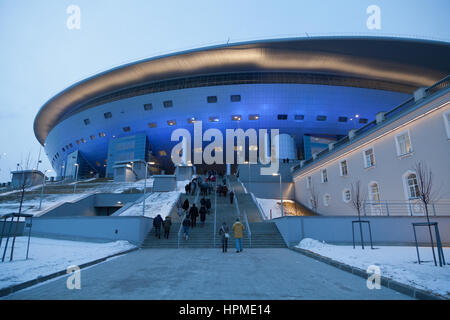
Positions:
{"x": 314, "y": 200}
{"x": 357, "y": 197}
{"x": 25, "y": 181}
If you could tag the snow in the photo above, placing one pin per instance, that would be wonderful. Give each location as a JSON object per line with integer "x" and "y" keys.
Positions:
{"x": 47, "y": 256}
{"x": 396, "y": 262}
{"x": 271, "y": 204}
{"x": 155, "y": 203}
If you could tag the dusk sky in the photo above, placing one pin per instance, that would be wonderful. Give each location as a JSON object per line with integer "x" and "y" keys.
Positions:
{"x": 40, "y": 56}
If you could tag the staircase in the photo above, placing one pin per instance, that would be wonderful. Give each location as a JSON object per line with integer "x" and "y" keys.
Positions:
{"x": 264, "y": 234}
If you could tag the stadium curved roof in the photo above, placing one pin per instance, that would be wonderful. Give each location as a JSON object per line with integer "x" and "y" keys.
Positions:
{"x": 378, "y": 62}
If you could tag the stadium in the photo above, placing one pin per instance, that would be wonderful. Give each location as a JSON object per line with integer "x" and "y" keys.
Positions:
{"x": 313, "y": 90}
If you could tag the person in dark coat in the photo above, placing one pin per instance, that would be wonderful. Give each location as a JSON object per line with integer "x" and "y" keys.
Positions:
{"x": 185, "y": 205}
{"x": 186, "y": 226}
{"x": 193, "y": 214}
{"x": 167, "y": 225}
{"x": 203, "y": 202}
{"x": 157, "y": 222}
{"x": 186, "y": 188}
{"x": 225, "y": 190}
{"x": 224, "y": 232}
{"x": 208, "y": 205}
{"x": 231, "y": 196}
{"x": 202, "y": 215}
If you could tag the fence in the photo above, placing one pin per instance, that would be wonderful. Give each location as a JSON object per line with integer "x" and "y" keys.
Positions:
{"x": 405, "y": 208}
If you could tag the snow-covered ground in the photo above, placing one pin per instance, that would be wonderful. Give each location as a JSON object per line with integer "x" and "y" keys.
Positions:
{"x": 396, "y": 262}
{"x": 47, "y": 256}
{"x": 271, "y": 204}
{"x": 156, "y": 203}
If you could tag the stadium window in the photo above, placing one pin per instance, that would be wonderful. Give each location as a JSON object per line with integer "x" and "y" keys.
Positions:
{"x": 92, "y": 137}
{"x": 86, "y": 121}
{"x": 83, "y": 140}
{"x": 403, "y": 143}
{"x": 162, "y": 153}
{"x": 102, "y": 134}
{"x": 107, "y": 115}
{"x": 369, "y": 158}
{"x": 152, "y": 125}
{"x": 299, "y": 117}
{"x": 148, "y": 106}
{"x": 126, "y": 129}
{"x": 236, "y": 117}
{"x": 235, "y": 98}
{"x": 253, "y": 117}
{"x": 321, "y": 118}
{"x": 282, "y": 117}
{"x": 213, "y": 119}
{"x": 211, "y": 99}
{"x": 171, "y": 122}
{"x": 363, "y": 120}
{"x": 343, "y": 119}
{"x": 344, "y": 168}
{"x": 168, "y": 104}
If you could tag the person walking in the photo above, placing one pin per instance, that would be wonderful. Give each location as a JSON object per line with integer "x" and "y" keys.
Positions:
{"x": 208, "y": 205}
{"x": 203, "y": 202}
{"x": 167, "y": 225}
{"x": 193, "y": 213}
{"x": 225, "y": 190}
{"x": 202, "y": 215}
{"x": 186, "y": 205}
{"x": 224, "y": 232}
{"x": 238, "y": 231}
{"x": 231, "y": 196}
{"x": 186, "y": 226}
{"x": 157, "y": 222}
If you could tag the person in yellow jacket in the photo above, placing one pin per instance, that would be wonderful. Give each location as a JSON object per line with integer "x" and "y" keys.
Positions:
{"x": 238, "y": 231}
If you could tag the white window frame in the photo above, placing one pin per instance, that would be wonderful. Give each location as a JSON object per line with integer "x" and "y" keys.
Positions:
{"x": 447, "y": 123}
{"x": 364, "y": 158}
{"x": 371, "y": 183}
{"x": 343, "y": 195}
{"x": 323, "y": 176}
{"x": 340, "y": 167}
{"x": 397, "y": 144}
{"x": 406, "y": 185}
{"x": 326, "y": 199}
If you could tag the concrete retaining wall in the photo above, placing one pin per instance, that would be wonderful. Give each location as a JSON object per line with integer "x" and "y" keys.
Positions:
{"x": 338, "y": 230}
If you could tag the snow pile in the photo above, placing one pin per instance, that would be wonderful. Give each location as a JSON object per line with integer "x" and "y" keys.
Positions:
{"x": 155, "y": 203}
{"x": 396, "y": 262}
{"x": 271, "y": 204}
{"x": 47, "y": 256}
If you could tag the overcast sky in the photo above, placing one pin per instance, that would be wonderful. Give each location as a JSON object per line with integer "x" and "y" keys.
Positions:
{"x": 40, "y": 56}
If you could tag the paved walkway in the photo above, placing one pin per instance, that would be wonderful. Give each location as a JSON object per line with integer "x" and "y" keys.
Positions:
{"x": 203, "y": 274}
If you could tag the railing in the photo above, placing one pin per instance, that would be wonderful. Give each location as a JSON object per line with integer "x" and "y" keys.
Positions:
{"x": 247, "y": 225}
{"x": 413, "y": 207}
{"x": 260, "y": 209}
{"x": 180, "y": 231}
{"x": 215, "y": 212}
{"x": 440, "y": 85}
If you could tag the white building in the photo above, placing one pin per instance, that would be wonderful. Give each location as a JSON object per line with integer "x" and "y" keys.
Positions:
{"x": 381, "y": 156}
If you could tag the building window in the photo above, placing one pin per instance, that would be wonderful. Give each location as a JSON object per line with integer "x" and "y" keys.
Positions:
{"x": 253, "y": 117}
{"x": 282, "y": 117}
{"x": 343, "y": 119}
{"x": 374, "y": 192}
{"x": 403, "y": 143}
{"x": 87, "y": 121}
{"x": 413, "y": 186}
{"x": 235, "y": 98}
{"x": 192, "y": 120}
{"x": 363, "y": 120}
{"x": 326, "y": 200}
{"x": 321, "y": 118}
{"x": 236, "y": 118}
{"x": 162, "y": 153}
{"x": 152, "y": 125}
{"x": 168, "y": 104}
{"x": 148, "y": 106}
{"x": 171, "y": 122}
{"x": 346, "y": 195}
{"x": 211, "y": 99}
{"x": 299, "y": 117}
{"x": 447, "y": 123}
{"x": 83, "y": 140}
{"x": 369, "y": 158}
{"x": 324, "y": 176}
{"x": 92, "y": 137}
{"x": 107, "y": 115}
{"x": 308, "y": 182}
{"x": 344, "y": 168}
{"x": 102, "y": 134}
{"x": 126, "y": 129}
{"x": 213, "y": 119}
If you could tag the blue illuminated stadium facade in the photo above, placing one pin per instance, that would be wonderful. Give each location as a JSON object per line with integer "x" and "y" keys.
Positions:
{"x": 305, "y": 87}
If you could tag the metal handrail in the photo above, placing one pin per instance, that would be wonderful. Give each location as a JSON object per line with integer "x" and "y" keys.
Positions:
{"x": 249, "y": 232}
{"x": 215, "y": 211}
{"x": 401, "y": 207}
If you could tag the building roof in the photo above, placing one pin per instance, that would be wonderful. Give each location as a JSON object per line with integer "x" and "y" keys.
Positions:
{"x": 394, "y": 62}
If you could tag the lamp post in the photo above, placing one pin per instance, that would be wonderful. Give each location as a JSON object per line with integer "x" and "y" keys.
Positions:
{"x": 145, "y": 186}
{"x": 76, "y": 177}
{"x": 42, "y": 190}
{"x": 281, "y": 194}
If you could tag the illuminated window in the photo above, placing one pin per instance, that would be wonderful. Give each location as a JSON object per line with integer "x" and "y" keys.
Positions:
{"x": 403, "y": 143}
{"x": 152, "y": 125}
{"x": 374, "y": 192}
{"x": 369, "y": 158}
{"x": 344, "y": 168}
{"x": 236, "y": 118}
{"x": 346, "y": 195}
{"x": 413, "y": 186}
{"x": 102, "y": 134}
{"x": 171, "y": 122}
{"x": 162, "y": 153}
{"x": 192, "y": 120}
{"x": 83, "y": 140}
{"x": 213, "y": 119}
{"x": 324, "y": 176}
{"x": 253, "y": 117}
{"x": 168, "y": 104}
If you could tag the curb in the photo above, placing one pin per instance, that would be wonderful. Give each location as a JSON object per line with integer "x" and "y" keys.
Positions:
{"x": 385, "y": 281}
{"x": 9, "y": 290}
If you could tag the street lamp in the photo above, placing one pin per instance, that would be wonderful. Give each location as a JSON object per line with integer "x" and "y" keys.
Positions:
{"x": 145, "y": 186}
{"x": 281, "y": 194}
{"x": 76, "y": 177}
{"x": 42, "y": 190}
